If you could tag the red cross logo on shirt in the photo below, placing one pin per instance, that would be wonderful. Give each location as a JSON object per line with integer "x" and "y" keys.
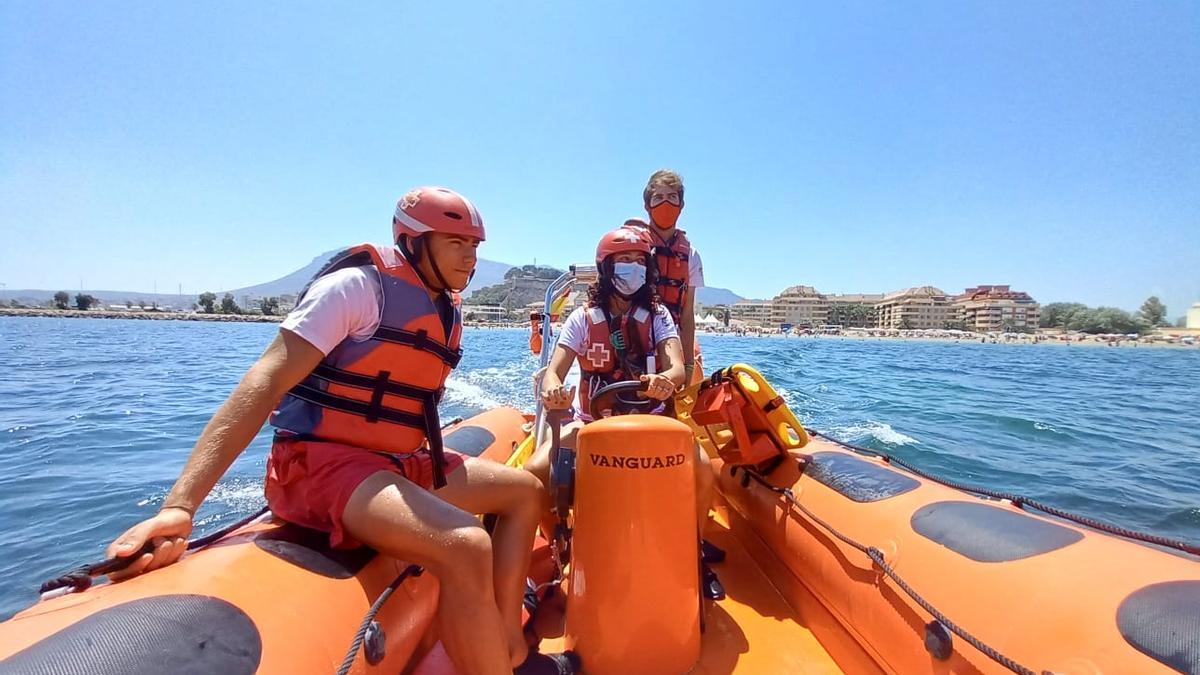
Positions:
{"x": 599, "y": 356}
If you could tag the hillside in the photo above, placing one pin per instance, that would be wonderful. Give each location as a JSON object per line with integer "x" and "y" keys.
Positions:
{"x": 487, "y": 273}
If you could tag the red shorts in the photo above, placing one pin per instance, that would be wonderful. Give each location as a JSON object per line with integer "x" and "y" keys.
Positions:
{"x": 309, "y": 482}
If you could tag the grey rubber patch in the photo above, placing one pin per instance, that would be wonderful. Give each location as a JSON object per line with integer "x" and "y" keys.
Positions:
{"x": 188, "y": 634}
{"x": 1162, "y": 621}
{"x": 859, "y": 479}
{"x": 469, "y": 440}
{"x": 989, "y": 533}
{"x": 310, "y": 550}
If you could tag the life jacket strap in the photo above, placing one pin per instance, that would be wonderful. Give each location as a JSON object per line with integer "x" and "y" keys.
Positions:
{"x": 420, "y": 340}
{"x": 375, "y": 384}
{"x": 378, "y": 413}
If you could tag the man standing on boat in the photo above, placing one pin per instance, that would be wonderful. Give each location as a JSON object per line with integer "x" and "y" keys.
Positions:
{"x": 351, "y": 384}
{"x": 680, "y": 272}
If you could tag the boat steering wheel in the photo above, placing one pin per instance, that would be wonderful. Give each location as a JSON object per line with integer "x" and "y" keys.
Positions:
{"x": 610, "y": 398}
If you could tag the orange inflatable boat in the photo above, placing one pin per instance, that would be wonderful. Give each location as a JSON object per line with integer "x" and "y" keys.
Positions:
{"x": 836, "y": 561}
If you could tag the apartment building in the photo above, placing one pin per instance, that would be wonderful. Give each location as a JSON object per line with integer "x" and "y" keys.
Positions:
{"x": 853, "y": 310}
{"x": 921, "y": 307}
{"x": 752, "y": 312}
{"x": 996, "y": 308}
{"x": 801, "y": 306}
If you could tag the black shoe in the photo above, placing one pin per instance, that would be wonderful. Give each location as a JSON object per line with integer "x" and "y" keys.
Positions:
{"x": 566, "y": 663}
{"x": 710, "y": 585}
{"x": 709, "y": 552}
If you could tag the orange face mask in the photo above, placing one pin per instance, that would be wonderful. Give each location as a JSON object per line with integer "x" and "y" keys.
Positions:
{"x": 665, "y": 215}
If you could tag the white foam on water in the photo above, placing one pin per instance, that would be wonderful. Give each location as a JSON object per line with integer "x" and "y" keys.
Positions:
{"x": 239, "y": 494}
{"x": 880, "y": 431}
{"x": 468, "y": 394}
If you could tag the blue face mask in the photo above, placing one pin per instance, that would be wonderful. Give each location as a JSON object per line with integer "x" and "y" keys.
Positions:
{"x": 628, "y": 277}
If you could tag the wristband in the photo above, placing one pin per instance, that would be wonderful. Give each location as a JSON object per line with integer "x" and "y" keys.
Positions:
{"x": 186, "y": 509}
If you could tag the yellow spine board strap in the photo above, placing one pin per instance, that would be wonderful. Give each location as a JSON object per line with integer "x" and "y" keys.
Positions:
{"x": 522, "y": 453}
{"x": 741, "y": 417}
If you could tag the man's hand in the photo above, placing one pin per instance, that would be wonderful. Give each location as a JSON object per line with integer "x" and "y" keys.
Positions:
{"x": 558, "y": 398}
{"x": 168, "y": 531}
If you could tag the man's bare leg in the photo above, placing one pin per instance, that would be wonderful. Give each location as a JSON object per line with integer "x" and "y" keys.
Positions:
{"x": 516, "y": 497}
{"x": 405, "y": 521}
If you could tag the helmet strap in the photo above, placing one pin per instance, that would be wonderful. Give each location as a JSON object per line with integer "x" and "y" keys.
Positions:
{"x": 414, "y": 257}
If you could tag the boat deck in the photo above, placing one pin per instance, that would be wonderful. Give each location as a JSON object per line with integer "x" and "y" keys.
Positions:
{"x": 753, "y": 630}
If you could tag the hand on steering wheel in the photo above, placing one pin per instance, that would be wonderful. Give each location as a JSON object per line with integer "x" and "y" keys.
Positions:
{"x": 608, "y": 398}
{"x": 658, "y": 387}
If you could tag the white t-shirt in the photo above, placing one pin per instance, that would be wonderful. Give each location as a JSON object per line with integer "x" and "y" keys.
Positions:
{"x": 574, "y": 333}
{"x": 695, "y": 270}
{"x": 341, "y": 304}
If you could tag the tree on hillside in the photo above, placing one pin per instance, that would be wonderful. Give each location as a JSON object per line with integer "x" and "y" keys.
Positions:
{"x": 228, "y": 306}
{"x": 269, "y": 306}
{"x": 85, "y": 302}
{"x": 1153, "y": 311}
{"x": 1060, "y": 314}
{"x": 207, "y": 300}
{"x": 61, "y": 299}
{"x": 535, "y": 271}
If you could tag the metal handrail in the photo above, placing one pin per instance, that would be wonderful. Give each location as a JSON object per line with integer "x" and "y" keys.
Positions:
{"x": 574, "y": 274}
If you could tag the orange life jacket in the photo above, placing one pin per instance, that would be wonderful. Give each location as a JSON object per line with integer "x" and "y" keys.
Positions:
{"x": 602, "y": 362}
{"x": 672, "y": 259}
{"x": 381, "y": 393}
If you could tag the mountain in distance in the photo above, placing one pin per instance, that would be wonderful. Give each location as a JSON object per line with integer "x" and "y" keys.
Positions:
{"x": 487, "y": 272}
{"x": 712, "y": 295}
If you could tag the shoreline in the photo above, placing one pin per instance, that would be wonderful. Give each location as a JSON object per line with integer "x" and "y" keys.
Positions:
{"x": 41, "y": 313}
{"x": 138, "y": 315}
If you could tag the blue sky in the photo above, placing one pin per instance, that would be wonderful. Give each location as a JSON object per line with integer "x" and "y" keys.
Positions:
{"x": 854, "y": 147}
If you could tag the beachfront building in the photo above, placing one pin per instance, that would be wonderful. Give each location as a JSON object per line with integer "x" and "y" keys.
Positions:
{"x": 800, "y": 306}
{"x": 922, "y": 307}
{"x": 853, "y": 310}
{"x": 1193, "y": 316}
{"x": 990, "y": 309}
{"x": 485, "y": 312}
{"x": 752, "y": 312}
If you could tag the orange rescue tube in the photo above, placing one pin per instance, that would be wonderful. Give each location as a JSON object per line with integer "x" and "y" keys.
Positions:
{"x": 535, "y": 332}
{"x": 633, "y": 599}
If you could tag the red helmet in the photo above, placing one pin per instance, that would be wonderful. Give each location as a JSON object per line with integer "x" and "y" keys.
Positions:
{"x": 620, "y": 241}
{"x": 436, "y": 209}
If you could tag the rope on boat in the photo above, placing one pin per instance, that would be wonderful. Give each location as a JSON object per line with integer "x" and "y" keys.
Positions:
{"x": 361, "y": 635}
{"x": 878, "y": 559}
{"x": 1021, "y": 502}
{"x": 80, "y": 578}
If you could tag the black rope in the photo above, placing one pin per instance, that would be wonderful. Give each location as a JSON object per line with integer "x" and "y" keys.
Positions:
{"x": 356, "y": 644}
{"x": 1022, "y": 502}
{"x": 80, "y": 578}
{"x": 877, "y": 558}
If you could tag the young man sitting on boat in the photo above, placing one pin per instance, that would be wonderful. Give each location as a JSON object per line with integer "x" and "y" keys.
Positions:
{"x": 622, "y": 334}
{"x": 351, "y": 385}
